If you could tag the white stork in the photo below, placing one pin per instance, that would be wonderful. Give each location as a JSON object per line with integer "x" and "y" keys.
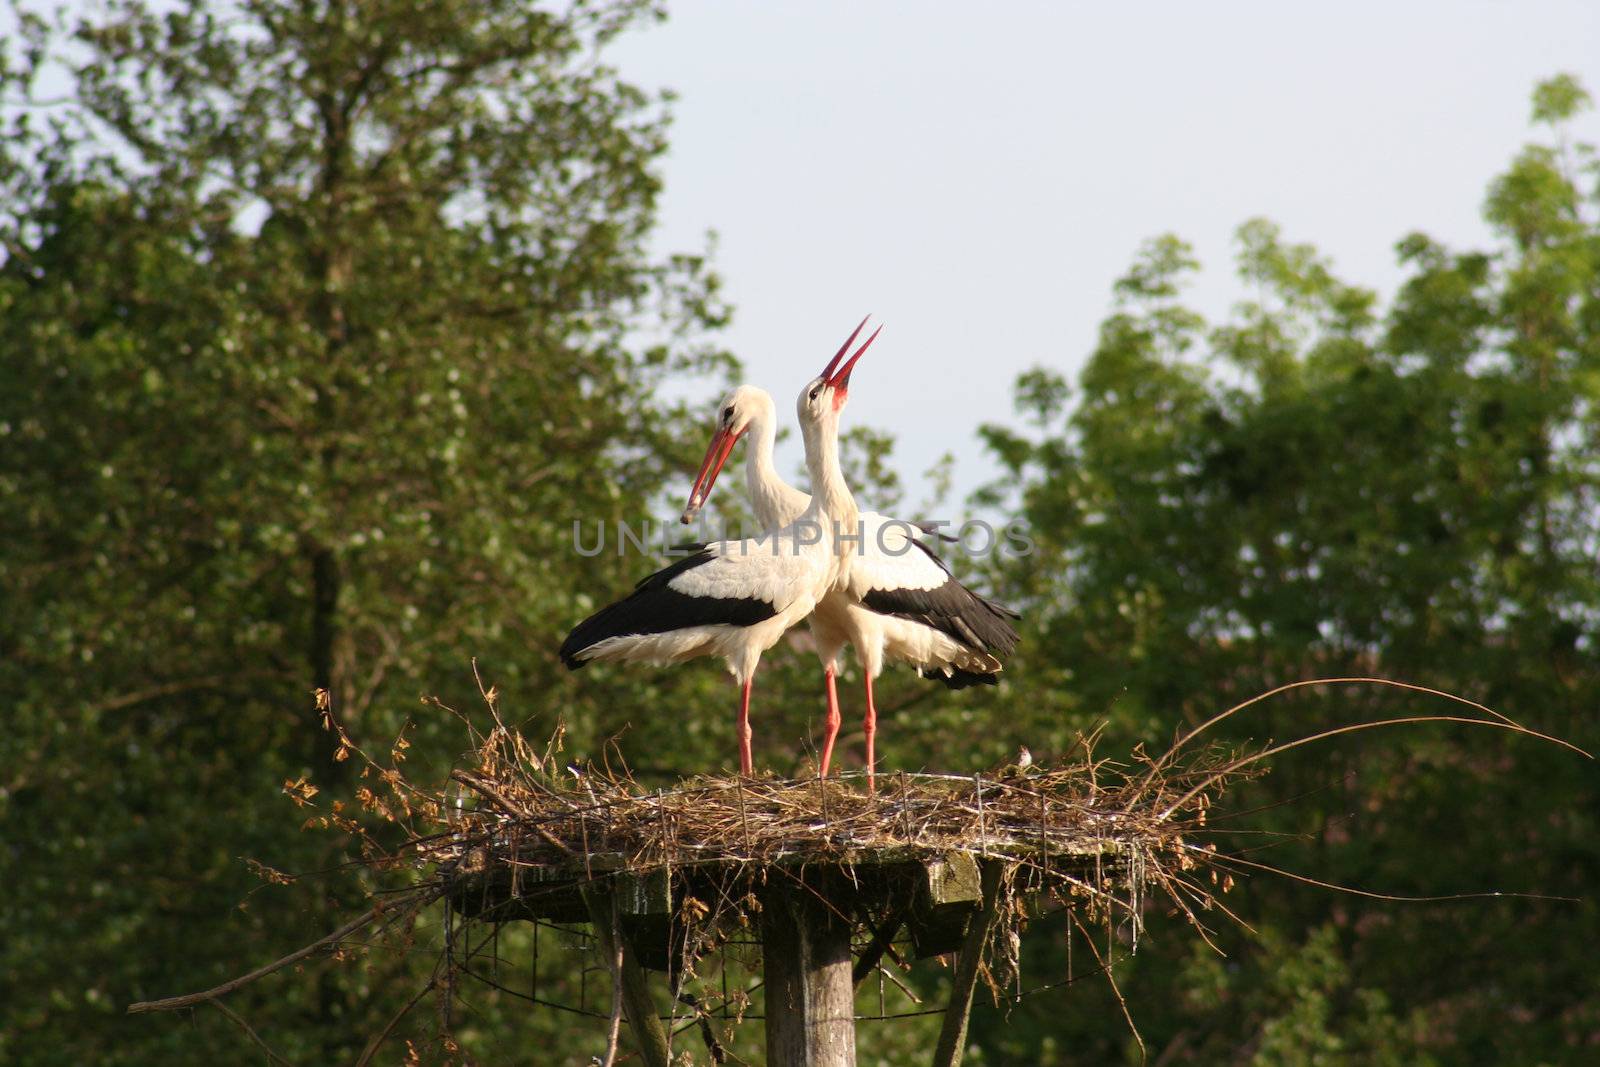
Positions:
{"x": 899, "y": 600}
{"x": 735, "y": 599}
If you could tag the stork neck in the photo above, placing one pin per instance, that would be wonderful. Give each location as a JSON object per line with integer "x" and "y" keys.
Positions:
{"x": 830, "y": 494}
{"x": 766, "y": 486}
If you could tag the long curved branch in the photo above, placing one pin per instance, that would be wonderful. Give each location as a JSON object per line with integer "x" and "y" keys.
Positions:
{"x": 189, "y": 1000}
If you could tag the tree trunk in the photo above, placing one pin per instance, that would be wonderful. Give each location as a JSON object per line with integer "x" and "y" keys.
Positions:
{"x": 325, "y": 582}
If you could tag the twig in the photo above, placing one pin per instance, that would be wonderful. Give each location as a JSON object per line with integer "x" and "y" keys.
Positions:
{"x": 1215, "y": 857}
{"x": 189, "y": 1000}
{"x": 983, "y": 834}
{"x": 881, "y": 939}
{"x": 1105, "y": 968}
{"x": 479, "y": 785}
{"x": 1234, "y": 766}
{"x": 744, "y": 816}
{"x": 911, "y": 996}
{"x": 702, "y": 1019}
{"x": 614, "y": 1028}
{"x": 1167, "y": 756}
{"x": 383, "y": 1035}
{"x": 648, "y": 1033}
{"x": 251, "y": 1034}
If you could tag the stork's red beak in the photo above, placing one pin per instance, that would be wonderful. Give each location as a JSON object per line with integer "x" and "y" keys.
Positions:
{"x": 839, "y": 379}
{"x": 717, "y": 453}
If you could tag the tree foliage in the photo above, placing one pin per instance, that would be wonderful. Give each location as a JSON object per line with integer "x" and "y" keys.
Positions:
{"x": 322, "y": 322}
{"x": 1323, "y": 486}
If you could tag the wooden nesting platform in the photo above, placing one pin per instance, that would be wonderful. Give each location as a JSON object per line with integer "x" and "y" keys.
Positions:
{"x": 934, "y": 897}
{"x": 679, "y": 862}
{"x": 824, "y": 870}
{"x": 810, "y": 915}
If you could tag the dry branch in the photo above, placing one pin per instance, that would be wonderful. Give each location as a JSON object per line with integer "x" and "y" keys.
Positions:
{"x": 189, "y": 1000}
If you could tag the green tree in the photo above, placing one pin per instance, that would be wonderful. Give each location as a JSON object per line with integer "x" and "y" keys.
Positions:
{"x": 321, "y": 324}
{"x": 1322, "y": 486}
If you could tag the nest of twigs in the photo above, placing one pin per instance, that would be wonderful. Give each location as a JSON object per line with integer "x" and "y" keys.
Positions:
{"x": 521, "y": 828}
{"x": 1021, "y": 815}
{"x": 1028, "y": 817}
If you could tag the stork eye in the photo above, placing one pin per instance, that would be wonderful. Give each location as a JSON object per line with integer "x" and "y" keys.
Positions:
{"x": 815, "y": 391}
{"x": 727, "y": 414}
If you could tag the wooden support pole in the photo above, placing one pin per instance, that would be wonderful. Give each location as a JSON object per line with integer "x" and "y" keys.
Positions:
{"x": 637, "y": 1005}
{"x": 953, "y": 1034}
{"x": 805, "y": 951}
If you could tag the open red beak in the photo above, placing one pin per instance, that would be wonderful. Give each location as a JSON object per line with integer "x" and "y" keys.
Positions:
{"x": 717, "y": 453}
{"x": 839, "y": 379}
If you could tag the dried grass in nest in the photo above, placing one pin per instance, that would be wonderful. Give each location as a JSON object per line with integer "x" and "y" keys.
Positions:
{"x": 1092, "y": 833}
{"x": 521, "y": 816}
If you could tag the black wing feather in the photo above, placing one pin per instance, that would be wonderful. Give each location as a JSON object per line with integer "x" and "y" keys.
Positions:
{"x": 960, "y": 679}
{"x": 950, "y": 608}
{"x": 654, "y": 607}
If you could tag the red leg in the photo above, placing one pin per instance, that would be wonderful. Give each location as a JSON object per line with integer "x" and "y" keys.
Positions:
{"x": 870, "y": 726}
{"x": 833, "y": 722}
{"x": 746, "y": 765}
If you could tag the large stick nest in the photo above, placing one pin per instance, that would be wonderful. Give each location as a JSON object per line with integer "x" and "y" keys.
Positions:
{"x": 520, "y": 817}
{"x": 1087, "y": 830}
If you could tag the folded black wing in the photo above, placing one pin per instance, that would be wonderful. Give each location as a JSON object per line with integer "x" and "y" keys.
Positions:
{"x": 657, "y": 606}
{"x": 916, "y": 585}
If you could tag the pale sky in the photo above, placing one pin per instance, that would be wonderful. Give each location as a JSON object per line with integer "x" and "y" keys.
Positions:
{"x": 977, "y": 175}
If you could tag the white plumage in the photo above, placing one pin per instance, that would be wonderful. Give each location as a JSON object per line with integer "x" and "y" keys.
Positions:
{"x": 735, "y": 599}
{"x": 896, "y": 600}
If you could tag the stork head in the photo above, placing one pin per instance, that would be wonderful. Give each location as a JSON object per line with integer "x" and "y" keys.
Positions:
{"x": 738, "y": 411}
{"x": 824, "y": 396}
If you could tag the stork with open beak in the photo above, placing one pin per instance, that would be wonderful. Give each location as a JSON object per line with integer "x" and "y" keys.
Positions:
{"x": 735, "y": 599}
{"x": 897, "y": 601}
